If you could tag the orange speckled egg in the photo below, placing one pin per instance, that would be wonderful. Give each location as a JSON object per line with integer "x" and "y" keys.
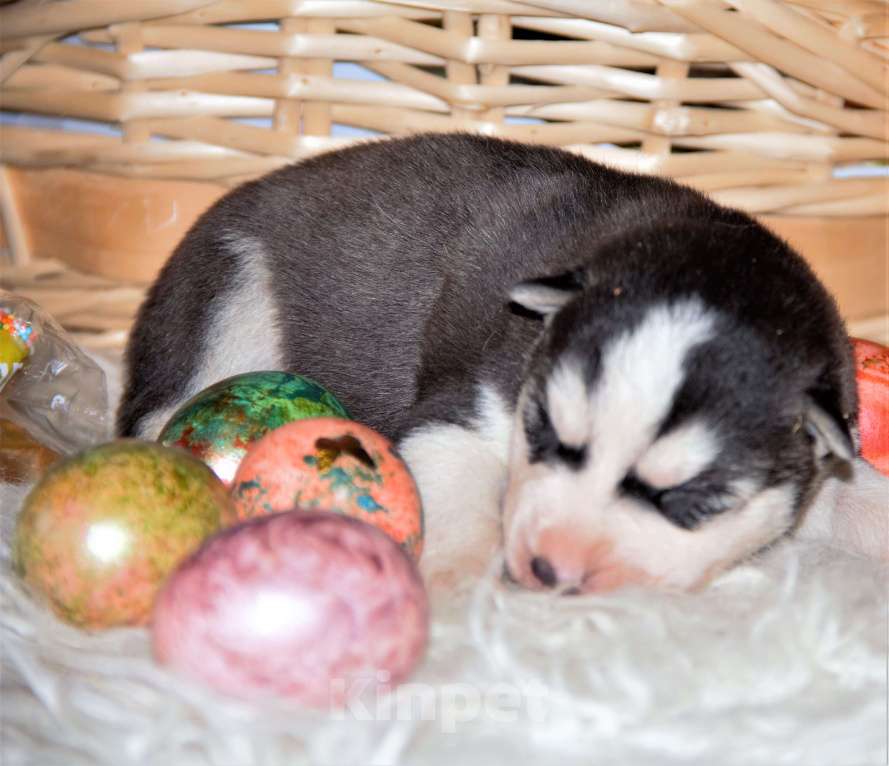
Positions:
{"x": 98, "y": 535}
{"x": 334, "y": 465}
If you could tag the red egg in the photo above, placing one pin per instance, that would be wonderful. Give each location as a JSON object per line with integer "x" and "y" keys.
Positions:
{"x": 300, "y": 605}
{"x": 872, "y": 374}
{"x": 331, "y": 464}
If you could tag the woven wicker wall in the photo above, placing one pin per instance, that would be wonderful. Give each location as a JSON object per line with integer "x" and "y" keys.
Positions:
{"x": 757, "y": 101}
{"x": 766, "y": 104}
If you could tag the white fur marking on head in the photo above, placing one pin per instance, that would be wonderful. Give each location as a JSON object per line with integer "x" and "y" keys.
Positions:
{"x": 678, "y": 456}
{"x": 641, "y": 372}
{"x": 568, "y": 400}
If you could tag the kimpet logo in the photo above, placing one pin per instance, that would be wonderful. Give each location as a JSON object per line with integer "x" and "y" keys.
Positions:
{"x": 372, "y": 698}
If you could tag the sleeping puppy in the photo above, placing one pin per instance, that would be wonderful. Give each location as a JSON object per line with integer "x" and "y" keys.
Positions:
{"x": 610, "y": 375}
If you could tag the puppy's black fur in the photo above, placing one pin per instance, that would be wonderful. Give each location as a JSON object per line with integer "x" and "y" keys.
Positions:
{"x": 392, "y": 265}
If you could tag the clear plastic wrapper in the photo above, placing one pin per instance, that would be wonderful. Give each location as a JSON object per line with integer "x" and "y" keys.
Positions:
{"x": 49, "y": 386}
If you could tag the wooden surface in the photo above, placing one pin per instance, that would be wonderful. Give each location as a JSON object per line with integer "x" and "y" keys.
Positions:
{"x": 123, "y": 230}
{"x": 851, "y": 255}
{"x": 118, "y": 228}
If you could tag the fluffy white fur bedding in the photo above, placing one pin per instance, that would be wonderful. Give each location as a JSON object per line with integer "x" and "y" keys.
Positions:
{"x": 781, "y": 661}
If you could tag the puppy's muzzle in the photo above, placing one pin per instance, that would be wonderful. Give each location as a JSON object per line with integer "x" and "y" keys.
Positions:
{"x": 563, "y": 560}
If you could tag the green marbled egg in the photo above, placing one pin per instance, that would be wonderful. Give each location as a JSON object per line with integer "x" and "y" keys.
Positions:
{"x": 220, "y": 423}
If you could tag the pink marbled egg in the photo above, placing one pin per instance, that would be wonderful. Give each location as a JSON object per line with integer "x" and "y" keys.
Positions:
{"x": 302, "y": 605}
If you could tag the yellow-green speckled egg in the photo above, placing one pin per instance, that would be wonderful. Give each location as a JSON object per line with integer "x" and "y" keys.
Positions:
{"x": 98, "y": 535}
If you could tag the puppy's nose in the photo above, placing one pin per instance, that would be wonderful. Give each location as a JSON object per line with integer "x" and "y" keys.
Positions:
{"x": 543, "y": 571}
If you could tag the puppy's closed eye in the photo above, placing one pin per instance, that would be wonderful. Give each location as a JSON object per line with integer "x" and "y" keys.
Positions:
{"x": 685, "y": 505}
{"x": 634, "y": 487}
{"x": 544, "y": 443}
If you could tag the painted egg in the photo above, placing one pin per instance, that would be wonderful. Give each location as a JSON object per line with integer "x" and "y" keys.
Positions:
{"x": 222, "y": 421}
{"x": 304, "y": 605}
{"x": 101, "y": 531}
{"x": 872, "y": 374}
{"x": 335, "y": 465}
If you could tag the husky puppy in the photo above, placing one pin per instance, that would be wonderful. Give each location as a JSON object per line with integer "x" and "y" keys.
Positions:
{"x": 611, "y": 375}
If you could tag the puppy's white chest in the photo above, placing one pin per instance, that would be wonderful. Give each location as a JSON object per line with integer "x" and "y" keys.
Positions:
{"x": 461, "y": 472}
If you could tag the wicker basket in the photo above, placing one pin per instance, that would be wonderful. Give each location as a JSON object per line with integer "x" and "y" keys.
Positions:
{"x": 766, "y": 105}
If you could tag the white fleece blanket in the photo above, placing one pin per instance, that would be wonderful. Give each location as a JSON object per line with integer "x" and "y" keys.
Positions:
{"x": 784, "y": 660}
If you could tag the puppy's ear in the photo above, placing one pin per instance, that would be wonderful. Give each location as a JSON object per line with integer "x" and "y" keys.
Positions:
{"x": 545, "y": 296}
{"x": 830, "y": 431}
